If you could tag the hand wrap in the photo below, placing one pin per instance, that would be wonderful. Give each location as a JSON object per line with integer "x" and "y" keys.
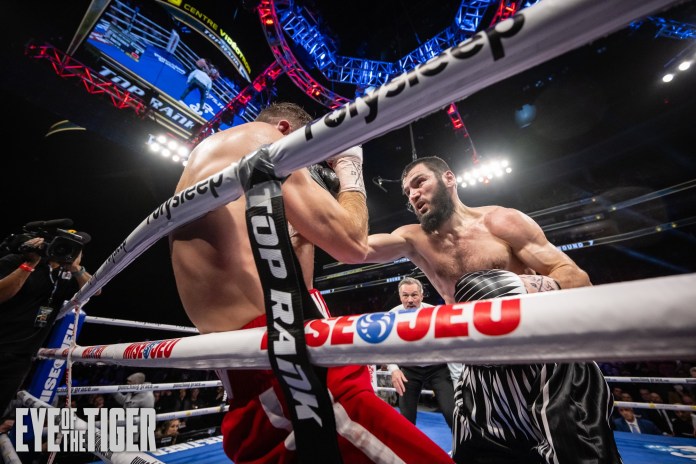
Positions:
{"x": 348, "y": 168}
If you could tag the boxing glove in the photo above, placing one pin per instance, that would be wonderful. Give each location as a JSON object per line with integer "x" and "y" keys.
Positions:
{"x": 326, "y": 178}
{"x": 487, "y": 284}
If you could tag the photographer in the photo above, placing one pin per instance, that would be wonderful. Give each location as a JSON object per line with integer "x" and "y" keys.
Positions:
{"x": 39, "y": 272}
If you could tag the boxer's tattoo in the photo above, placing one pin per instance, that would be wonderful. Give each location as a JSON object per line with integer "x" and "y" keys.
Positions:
{"x": 539, "y": 283}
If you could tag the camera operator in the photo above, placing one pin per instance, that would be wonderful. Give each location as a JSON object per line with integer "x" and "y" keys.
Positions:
{"x": 34, "y": 284}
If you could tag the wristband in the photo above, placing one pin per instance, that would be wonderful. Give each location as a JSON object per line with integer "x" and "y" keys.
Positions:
{"x": 26, "y": 267}
{"x": 78, "y": 273}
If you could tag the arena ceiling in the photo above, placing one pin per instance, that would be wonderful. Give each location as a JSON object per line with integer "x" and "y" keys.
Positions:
{"x": 605, "y": 126}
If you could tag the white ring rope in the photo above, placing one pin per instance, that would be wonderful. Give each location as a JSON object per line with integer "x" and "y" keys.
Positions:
{"x": 393, "y": 390}
{"x": 139, "y": 324}
{"x": 9, "y": 455}
{"x": 664, "y": 380}
{"x": 670, "y": 380}
{"x": 617, "y": 404}
{"x": 671, "y": 407}
{"x": 139, "y": 388}
{"x": 191, "y": 412}
{"x": 549, "y": 29}
{"x": 578, "y": 324}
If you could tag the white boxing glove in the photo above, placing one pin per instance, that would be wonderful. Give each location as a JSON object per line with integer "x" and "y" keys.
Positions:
{"x": 348, "y": 167}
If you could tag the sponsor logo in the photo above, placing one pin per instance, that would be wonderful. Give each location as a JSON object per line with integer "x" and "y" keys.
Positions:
{"x": 56, "y": 368}
{"x": 491, "y": 318}
{"x": 304, "y": 399}
{"x": 375, "y": 327}
{"x": 495, "y": 37}
{"x": 93, "y": 352}
{"x": 201, "y": 188}
{"x": 150, "y": 350}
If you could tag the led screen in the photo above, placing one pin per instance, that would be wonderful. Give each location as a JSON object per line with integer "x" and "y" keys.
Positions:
{"x": 159, "y": 52}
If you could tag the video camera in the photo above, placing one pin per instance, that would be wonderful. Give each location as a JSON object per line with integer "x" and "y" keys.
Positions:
{"x": 60, "y": 244}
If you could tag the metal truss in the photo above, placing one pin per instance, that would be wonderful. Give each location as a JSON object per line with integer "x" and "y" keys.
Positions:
{"x": 67, "y": 67}
{"x": 287, "y": 61}
{"x": 672, "y": 29}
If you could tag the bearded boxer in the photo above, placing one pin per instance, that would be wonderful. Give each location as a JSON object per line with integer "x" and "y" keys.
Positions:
{"x": 540, "y": 413}
{"x": 220, "y": 289}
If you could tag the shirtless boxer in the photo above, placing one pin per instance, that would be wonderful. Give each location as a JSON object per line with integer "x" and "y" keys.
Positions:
{"x": 540, "y": 413}
{"x": 220, "y": 289}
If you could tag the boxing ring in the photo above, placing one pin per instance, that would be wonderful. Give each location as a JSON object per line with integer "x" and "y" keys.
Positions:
{"x": 570, "y": 325}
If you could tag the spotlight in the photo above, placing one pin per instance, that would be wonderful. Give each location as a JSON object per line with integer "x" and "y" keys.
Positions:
{"x": 168, "y": 146}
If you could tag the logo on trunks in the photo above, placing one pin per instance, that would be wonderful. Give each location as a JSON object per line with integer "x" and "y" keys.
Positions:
{"x": 463, "y": 51}
{"x": 446, "y": 321}
{"x": 285, "y": 348}
{"x": 150, "y": 350}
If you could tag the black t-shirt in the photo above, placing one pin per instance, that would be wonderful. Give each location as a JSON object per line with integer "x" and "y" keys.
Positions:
{"x": 18, "y": 333}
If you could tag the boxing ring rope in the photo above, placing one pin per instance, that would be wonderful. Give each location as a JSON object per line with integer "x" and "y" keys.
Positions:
{"x": 191, "y": 413}
{"x": 139, "y": 324}
{"x": 576, "y": 324}
{"x": 90, "y": 390}
{"x": 7, "y": 451}
{"x": 668, "y": 380}
{"x": 610, "y": 379}
{"x": 533, "y": 36}
{"x": 617, "y": 404}
{"x": 626, "y": 404}
{"x": 670, "y": 407}
{"x": 102, "y": 389}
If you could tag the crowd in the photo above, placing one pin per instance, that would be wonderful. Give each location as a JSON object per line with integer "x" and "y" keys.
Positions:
{"x": 650, "y": 420}
{"x": 168, "y": 432}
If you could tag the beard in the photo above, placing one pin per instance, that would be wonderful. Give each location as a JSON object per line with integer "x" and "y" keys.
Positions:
{"x": 441, "y": 209}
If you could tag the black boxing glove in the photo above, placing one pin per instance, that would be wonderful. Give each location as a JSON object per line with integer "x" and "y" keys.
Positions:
{"x": 326, "y": 178}
{"x": 487, "y": 284}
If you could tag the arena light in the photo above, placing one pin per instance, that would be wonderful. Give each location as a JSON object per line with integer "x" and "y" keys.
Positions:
{"x": 168, "y": 147}
{"x": 484, "y": 173}
{"x": 673, "y": 71}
